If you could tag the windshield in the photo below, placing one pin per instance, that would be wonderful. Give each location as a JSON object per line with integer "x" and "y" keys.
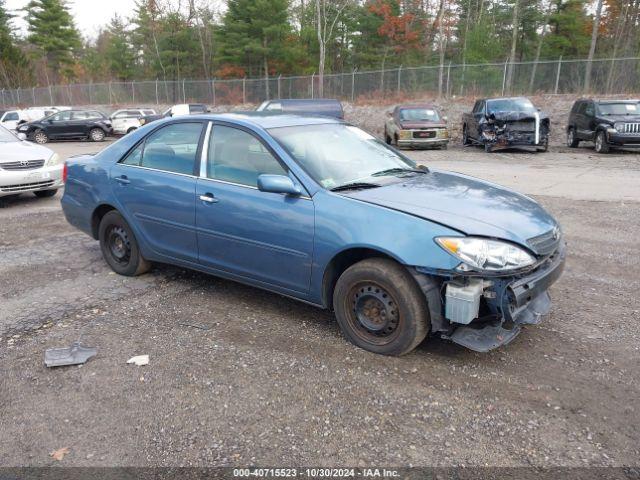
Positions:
{"x": 419, "y": 114}
{"x": 338, "y": 154}
{"x": 619, "y": 109}
{"x": 510, "y": 105}
{"x": 7, "y": 136}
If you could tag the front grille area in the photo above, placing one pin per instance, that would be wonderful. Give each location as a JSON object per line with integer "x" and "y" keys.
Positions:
{"x": 629, "y": 128}
{"x": 23, "y": 165}
{"x": 424, "y": 134}
{"x": 23, "y": 187}
{"x": 546, "y": 243}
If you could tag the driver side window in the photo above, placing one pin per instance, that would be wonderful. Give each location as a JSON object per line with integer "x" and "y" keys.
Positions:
{"x": 236, "y": 156}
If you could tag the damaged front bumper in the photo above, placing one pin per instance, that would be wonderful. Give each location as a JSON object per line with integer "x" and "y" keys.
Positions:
{"x": 507, "y": 304}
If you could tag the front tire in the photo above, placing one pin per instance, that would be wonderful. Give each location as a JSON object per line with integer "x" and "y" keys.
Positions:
{"x": 601, "y": 143}
{"x": 46, "y": 193}
{"x": 40, "y": 137}
{"x": 97, "y": 135}
{"x": 120, "y": 247}
{"x": 572, "y": 139}
{"x": 380, "y": 308}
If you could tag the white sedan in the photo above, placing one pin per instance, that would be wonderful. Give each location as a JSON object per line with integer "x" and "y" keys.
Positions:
{"x": 27, "y": 167}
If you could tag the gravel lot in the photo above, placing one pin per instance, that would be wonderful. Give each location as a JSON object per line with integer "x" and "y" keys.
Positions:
{"x": 272, "y": 382}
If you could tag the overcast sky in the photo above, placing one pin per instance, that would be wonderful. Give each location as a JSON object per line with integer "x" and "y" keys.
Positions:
{"x": 89, "y": 15}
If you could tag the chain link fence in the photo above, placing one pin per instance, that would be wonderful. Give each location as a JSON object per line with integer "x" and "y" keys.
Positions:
{"x": 609, "y": 76}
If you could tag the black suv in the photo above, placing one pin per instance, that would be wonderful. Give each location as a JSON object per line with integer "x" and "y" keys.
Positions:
{"x": 607, "y": 123}
{"x": 68, "y": 124}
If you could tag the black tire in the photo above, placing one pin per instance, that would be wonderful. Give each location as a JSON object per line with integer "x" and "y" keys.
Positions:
{"x": 601, "y": 142}
{"x": 119, "y": 246}
{"x": 572, "y": 138}
{"x": 465, "y": 135}
{"x": 443, "y": 147}
{"x": 395, "y": 141}
{"x": 97, "y": 135}
{"x": 132, "y": 129}
{"x": 544, "y": 147}
{"x": 380, "y": 308}
{"x": 488, "y": 147}
{"x": 40, "y": 137}
{"x": 46, "y": 193}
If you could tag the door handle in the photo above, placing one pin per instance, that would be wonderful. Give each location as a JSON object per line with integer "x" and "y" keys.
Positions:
{"x": 122, "y": 180}
{"x": 208, "y": 198}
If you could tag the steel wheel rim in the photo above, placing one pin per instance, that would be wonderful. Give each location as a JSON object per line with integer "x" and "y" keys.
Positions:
{"x": 119, "y": 245}
{"x": 40, "y": 137}
{"x": 599, "y": 142}
{"x": 372, "y": 313}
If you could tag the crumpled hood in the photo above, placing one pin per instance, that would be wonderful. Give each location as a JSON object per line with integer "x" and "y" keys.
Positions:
{"x": 518, "y": 116}
{"x": 464, "y": 203}
{"x": 16, "y": 151}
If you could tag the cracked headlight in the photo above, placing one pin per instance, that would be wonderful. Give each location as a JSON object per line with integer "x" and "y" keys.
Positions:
{"x": 54, "y": 160}
{"x": 485, "y": 254}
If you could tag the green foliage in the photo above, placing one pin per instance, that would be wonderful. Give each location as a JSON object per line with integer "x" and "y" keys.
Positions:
{"x": 570, "y": 30}
{"x": 119, "y": 55}
{"x": 254, "y": 35}
{"x": 53, "y": 32}
{"x": 14, "y": 66}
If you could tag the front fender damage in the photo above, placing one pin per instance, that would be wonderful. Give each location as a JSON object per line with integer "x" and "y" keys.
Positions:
{"x": 484, "y": 313}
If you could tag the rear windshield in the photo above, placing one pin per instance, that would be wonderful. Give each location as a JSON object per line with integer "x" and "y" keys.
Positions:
{"x": 419, "y": 114}
{"x": 619, "y": 108}
{"x": 510, "y": 105}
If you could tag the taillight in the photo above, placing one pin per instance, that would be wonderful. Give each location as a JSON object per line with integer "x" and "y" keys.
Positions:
{"x": 65, "y": 172}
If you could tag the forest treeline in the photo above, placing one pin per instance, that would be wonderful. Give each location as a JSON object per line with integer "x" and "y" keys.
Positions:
{"x": 193, "y": 39}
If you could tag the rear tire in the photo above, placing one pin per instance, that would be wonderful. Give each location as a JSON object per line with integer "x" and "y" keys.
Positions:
{"x": 544, "y": 147}
{"x": 465, "y": 135}
{"x": 97, "y": 135}
{"x": 601, "y": 143}
{"x": 120, "y": 247}
{"x": 46, "y": 193}
{"x": 572, "y": 139}
{"x": 380, "y": 308}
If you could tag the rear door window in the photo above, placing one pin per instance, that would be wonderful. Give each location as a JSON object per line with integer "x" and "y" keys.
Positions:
{"x": 171, "y": 149}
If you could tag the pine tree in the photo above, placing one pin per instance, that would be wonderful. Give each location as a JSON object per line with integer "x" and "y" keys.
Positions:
{"x": 13, "y": 63}
{"x": 119, "y": 54}
{"x": 253, "y": 35}
{"x": 53, "y": 32}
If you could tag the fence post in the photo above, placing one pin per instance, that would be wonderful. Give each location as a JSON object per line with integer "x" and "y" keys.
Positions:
{"x": 279, "y": 78}
{"x": 50, "y": 94}
{"x": 213, "y": 90}
{"x": 184, "y": 93}
{"x": 110, "y": 95}
{"x": 91, "y": 93}
{"x": 353, "y": 83}
{"x": 558, "y": 75}
{"x": 18, "y": 94}
{"x": 157, "y": 99}
{"x": 244, "y": 90}
{"x": 33, "y": 96}
{"x": 448, "y": 77}
{"x": 133, "y": 93}
{"x": 313, "y": 75}
{"x": 504, "y": 75}
{"x": 399, "y": 72}
{"x": 3, "y": 104}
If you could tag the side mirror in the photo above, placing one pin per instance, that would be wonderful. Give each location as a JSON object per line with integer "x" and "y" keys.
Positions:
{"x": 278, "y": 184}
{"x": 22, "y": 136}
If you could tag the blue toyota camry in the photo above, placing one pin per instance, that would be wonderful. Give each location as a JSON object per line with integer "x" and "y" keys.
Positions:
{"x": 321, "y": 211}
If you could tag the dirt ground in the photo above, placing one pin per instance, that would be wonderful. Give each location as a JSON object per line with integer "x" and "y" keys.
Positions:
{"x": 239, "y": 376}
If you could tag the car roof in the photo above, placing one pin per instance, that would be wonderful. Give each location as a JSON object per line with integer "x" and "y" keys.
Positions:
{"x": 507, "y": 98}
{"x": 269, "y": 120}
{"x": 417, "y": 105}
